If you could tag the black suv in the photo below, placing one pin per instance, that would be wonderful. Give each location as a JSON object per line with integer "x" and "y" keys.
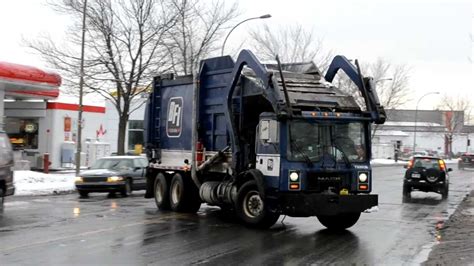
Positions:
{"x": 6, "y": 166}
{"x": 466, "y": 161}
{"x": 427, "y": 174}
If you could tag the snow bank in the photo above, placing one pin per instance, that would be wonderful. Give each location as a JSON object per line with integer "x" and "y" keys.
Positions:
{"x": 35, "y": 183}
{"x": 387, "y": 161}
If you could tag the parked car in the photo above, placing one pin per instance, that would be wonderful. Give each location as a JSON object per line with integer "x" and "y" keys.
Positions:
{"x": 466, "y": 161}
{"x": 6, "y": 168}
{"x": 113, "y": 174}
{"x": 427, "y": 174}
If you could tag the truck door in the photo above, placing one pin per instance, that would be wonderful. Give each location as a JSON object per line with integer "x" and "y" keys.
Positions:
{"x": 267, "y": 147}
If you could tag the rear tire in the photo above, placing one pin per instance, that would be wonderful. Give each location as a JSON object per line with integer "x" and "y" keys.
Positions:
{"x": 251, "y": 209}
{"x": 83, "y": 194}
{"x": 162, "y": 190}
{"x": 445, "y": 192}
{"x": 406, "y": 194}
{"x": 339, "y": 222}
{"x": 184, "y": 196}
{"x": 2, "y": 198}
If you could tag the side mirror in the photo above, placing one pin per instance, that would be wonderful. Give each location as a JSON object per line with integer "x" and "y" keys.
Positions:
{"x": 450, "y": 169}
{"x": 268, "y": 131}
{"x": 405, "y": 166}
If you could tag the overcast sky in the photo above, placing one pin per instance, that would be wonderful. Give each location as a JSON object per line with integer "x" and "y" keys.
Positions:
{"x": 431, "y": 37}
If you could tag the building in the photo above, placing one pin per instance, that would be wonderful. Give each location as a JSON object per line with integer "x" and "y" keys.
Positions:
{"x": 40, "y": 121}
{"x": 434, "y": 129}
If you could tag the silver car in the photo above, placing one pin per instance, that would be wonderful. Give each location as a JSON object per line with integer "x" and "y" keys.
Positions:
{"x": 6, "y": 165}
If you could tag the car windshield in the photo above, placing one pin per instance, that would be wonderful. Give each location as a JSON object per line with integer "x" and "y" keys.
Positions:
{"x": 427, "y": 163}
{"x": 343, "y": 142}
{"x": 113, "y": 163}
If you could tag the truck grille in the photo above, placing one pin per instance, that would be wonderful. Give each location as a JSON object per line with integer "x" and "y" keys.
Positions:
{"x": 95, "y": 179}
{"x": 322, "y": 181}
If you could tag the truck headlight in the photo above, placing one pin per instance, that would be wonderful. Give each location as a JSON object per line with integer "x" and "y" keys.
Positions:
{"x": 294, "y": 176}
{"x": 78, "y": 179}
{"x": 114, "y": 178}
{"x": 363, "y": 177}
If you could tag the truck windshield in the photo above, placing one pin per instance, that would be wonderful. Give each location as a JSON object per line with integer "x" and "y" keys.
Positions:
{"x": 341, "y": 142}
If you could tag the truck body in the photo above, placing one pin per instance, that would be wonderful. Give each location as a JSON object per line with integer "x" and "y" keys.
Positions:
{"x": 262, "y": 141}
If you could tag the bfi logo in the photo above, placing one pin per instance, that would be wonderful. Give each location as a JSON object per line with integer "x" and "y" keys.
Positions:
{"x": 175, "y": 116}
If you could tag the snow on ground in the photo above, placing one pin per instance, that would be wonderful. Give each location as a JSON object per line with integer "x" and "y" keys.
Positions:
{"x": 36, "y": 183}
{"x": 392, "y": 162}
{"x": 387, "y": 161}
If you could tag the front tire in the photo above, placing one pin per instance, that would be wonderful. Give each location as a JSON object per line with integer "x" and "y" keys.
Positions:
{"x": 339, "y": 222}
{"x": 127, "y": 189}
{"x": 83, "y": 194}
{"x": 162, "y": 190}
{"x": 251, "y": 209}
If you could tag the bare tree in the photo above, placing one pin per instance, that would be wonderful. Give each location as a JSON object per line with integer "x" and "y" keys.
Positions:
{"x": 291, "y": 43}
{"x": 124, "y": 49}
{"x": 391, "y": 82}
{"x": 198, "y": 31}
{"x": 457, "y": 108}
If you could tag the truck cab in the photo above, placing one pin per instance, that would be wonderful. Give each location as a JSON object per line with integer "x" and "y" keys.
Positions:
{"x": 263, "y": 140}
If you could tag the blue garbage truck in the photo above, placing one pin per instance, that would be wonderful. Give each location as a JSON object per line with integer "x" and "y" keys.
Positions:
{"x": 263, "y": 140}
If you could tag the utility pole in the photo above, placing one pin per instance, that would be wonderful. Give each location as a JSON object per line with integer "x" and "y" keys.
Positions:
{"x": 81, "y": 92}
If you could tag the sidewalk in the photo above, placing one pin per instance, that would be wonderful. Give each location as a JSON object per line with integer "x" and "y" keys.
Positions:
{"x": 456, "y": 237}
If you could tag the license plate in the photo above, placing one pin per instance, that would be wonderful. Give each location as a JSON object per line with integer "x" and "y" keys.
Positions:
{"x": 415, "y": 175}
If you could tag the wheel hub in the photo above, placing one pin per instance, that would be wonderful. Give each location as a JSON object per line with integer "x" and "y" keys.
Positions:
{"x": 253, "y": 204}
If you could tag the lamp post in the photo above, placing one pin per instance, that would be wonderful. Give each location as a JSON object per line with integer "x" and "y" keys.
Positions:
{"x": 416, "y": 116}
{"x": 238, "y": 24}
{"x": 81, "y": 92}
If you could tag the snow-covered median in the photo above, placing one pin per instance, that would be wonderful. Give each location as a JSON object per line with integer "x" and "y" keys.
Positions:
{"x": 35, "y": 183}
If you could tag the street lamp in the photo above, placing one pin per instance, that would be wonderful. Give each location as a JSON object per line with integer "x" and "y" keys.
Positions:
{"x": 228, "y": 34}
{"x": 416, "y": 116}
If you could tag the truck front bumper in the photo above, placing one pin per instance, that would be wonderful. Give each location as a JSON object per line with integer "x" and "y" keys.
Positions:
{"x": 304, "y": 205}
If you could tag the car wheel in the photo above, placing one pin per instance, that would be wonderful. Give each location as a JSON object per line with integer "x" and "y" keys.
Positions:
{"x": 2, "y": 198}
{"x": 406, "y": 193}
{"x": 162, "y": 189}
{"x": 251, "y": 209}
{"x": 83, "y": 194}
{"x": 445, "y": 192}
{"x": 340, "y": 221}
{"x": 127, "y": 189}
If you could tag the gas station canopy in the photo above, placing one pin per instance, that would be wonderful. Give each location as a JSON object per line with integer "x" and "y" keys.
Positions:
{"x": 20, "y": 81}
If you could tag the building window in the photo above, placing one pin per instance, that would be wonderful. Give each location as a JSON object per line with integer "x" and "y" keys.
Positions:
{"x": 23, "y": 133}
{"x": 135, "y": 133}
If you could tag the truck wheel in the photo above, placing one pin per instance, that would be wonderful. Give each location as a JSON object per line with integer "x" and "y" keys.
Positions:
{"x": 406, "y": 194}
{"x": 162, "y": 190}
{"x": 251, "y": 209}
{"x": 192, "y": 198}
{"x": 339, "y": 222}
{"x": 127, "y": 189}
{"x": 83, "y": 194}
{"x": 178, "y": 194}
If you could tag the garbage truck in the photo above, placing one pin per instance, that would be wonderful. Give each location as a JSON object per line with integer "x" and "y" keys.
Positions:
{"x": 263, "y": 140}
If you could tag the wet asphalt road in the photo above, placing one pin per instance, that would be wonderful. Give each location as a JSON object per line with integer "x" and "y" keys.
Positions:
{"x": 64, "y": 229}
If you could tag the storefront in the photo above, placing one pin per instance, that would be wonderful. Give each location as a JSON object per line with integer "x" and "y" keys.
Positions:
{"x": 38, "y": 120}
